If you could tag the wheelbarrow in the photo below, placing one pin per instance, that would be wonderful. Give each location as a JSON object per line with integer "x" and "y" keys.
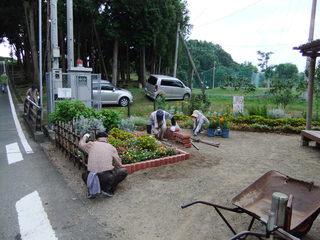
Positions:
{"x": 302, "y": 208}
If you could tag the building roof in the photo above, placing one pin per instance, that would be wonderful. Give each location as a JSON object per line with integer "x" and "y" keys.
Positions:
{"x": 310, "y": 49}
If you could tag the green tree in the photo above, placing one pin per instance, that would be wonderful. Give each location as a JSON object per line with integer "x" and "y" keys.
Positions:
{"x": 263, "y": 59}
{"x": 283, "y": 83}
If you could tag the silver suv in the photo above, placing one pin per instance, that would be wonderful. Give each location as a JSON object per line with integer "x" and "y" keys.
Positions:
{"x": 111, "y": 94}
{"x": 171, "y": 87}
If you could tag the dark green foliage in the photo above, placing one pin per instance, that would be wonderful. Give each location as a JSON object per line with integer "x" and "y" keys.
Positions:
{"x": 110, "y": 118}
{"x": 160, "y": 102}
{"x": 67, "y": 110}
{"x": 284, "y": 79}
{"x": 258, "y": 111}
{"x": 199, "y": 102}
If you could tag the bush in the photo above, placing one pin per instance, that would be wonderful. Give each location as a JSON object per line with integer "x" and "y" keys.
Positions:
{"x": 84, "y": 125}
{"x": 199, "y": 102}
{"x": 259, "y": 111}
{"x": 276, "y": 113}
{"x": 67, "y": 110}
{"x": 127, "y": 125}
{"x": 139, "y": 121}
{"x": 111, "y": 119}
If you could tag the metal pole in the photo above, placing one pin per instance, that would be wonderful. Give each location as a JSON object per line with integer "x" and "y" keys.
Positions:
{"x": 54, "y": 33}
{"x": 40, "y": 57}
{"x": 70, "y": 44}
{"x": 176, "y": 52}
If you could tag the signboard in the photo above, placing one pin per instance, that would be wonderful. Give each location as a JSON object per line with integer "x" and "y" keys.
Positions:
{"x": 238, "y": 104}
{"x": 82, "y": 81}
{"x": 64, "y": 92}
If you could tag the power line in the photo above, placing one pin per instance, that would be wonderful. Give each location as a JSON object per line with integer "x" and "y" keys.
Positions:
{"x": 233, "y": 13}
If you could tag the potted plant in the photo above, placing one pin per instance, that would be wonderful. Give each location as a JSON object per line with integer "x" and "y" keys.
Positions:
{"x": 213, "y": 125}
{"x": 225, "y": 126}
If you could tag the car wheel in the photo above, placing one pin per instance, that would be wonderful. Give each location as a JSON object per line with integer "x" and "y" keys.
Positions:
{"x": 124, "y": 101}
{"x": 186, "y": 97}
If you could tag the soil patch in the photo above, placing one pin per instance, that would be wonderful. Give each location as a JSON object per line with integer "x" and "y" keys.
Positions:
{"x": 147, "y": 204}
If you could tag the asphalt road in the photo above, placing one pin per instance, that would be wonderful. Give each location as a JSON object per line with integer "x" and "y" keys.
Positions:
{"x": 35, "y": 201}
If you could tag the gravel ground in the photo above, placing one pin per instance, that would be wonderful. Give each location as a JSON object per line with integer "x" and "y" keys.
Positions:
{"x": 147, "y": 203}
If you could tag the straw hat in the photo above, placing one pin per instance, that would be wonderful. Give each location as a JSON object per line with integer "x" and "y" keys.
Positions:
{"x": 195, "y": 114}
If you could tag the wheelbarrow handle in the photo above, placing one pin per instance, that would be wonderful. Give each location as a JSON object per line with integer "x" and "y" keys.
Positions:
{"x": 237, "y": 210}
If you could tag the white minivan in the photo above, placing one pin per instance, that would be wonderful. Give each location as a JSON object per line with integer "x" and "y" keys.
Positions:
{"x": 170, "y": 87}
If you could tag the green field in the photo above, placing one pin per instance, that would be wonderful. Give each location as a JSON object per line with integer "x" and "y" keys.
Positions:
{"x": 142, "y": 105}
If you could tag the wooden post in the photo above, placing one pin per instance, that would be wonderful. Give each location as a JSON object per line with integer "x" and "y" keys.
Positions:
{"x": 310, "y": 91}
{"x": 192, "y": 63}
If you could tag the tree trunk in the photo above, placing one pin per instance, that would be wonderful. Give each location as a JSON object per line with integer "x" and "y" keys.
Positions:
{"x": 48, "y": 41}
{"x": 159, "y": 67}
{"x": 127, "y": 65}
{"x": 142, "y": 66}
{"x": 29, "y": 14}
{"x": 115, "y": 61}
{"x": 104, "y": 68}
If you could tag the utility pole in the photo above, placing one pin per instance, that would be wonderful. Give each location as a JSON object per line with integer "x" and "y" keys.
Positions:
{"x": 70, "y": 34}
{"x": 311, "y": 27}
{"x": 40, "y": 56}
{"x": 176, "y": 52}
{"x": 213, "y": 74}
{"x": 192, "y": 63}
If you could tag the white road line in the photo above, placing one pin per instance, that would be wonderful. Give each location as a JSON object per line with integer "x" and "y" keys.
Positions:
{"x": 13, "y": 153}
{"x": 23, "y": 139}
{"x": 33, "y": 220}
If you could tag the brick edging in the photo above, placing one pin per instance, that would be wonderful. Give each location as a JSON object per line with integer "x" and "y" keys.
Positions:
{"x": 133, "y": 167}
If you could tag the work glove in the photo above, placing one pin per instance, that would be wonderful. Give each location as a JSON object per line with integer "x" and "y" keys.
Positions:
{"x": 87, "y": 135}
{"x": 173, "y": 128}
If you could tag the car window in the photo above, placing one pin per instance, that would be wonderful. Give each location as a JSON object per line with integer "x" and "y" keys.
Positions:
{"x": 178, "y": 84}
{"x": 165, "y": 82}
{"x": 152, "y": 80}
{"x": 107, "y": 87}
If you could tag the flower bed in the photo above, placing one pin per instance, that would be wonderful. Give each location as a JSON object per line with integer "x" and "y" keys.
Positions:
{"x": 139, "y": 151}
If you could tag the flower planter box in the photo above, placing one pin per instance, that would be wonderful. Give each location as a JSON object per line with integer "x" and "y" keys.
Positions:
{"x": 133, "y": 167}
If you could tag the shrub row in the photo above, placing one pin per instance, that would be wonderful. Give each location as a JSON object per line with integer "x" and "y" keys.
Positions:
{"x": 66, "y": 111}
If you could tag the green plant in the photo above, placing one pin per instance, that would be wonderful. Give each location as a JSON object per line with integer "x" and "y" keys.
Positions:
{"x": 276, "y": 113}
{"x": 84, "y": 125}
{"x": 161, "y": 101}
{"x": 127, "y": 125}
{"x": 111, "y": 119}
{"x": 199, "y": 102}
{"x": 67, "y": 110}
{"x": 258, "y": 110}
{"x": 139, "y": 121}
{"x": 146, "y": 141}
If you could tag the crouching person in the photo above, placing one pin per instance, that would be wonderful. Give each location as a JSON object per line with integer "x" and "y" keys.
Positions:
{"x": 104, "y": 166}
{"x": 198, "y": 121}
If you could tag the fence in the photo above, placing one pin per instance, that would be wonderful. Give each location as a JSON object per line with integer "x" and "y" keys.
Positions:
{"x": 32, "y": 114}
{"x": 67, "y": 141}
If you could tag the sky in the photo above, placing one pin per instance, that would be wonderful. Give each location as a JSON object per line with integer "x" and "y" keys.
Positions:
{"x": 242, "y": 27}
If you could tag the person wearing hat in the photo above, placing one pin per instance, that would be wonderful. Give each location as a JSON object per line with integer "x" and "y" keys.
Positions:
{"x": 104, "y": 167}
{"x": 198, "y": 121}
{"x": 33, "y": 93}
{"x": 157, "y": 123}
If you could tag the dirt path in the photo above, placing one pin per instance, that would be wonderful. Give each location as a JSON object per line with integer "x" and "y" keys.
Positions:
{"x": 147, "y": 203}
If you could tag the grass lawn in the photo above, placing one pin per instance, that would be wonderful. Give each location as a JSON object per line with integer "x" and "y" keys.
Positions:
{"x": 142, "y": 106}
